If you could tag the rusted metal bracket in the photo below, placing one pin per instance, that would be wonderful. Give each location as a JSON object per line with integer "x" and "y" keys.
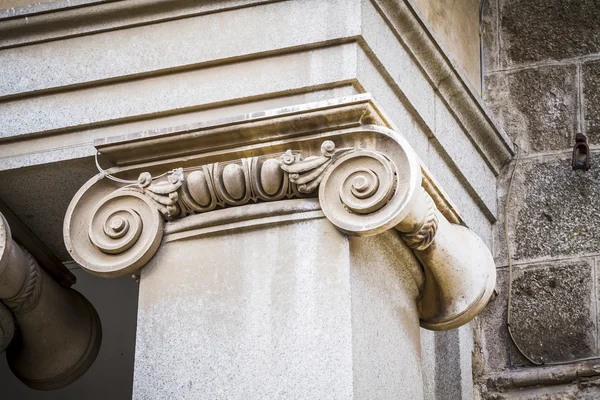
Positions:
{"x": 581, "y": 152}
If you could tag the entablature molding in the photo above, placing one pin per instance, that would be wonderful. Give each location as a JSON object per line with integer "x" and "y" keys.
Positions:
{"x": 334, "y": 159}
{"x": 20, "y": 28}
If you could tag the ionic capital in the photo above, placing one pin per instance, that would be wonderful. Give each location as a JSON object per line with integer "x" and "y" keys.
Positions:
{"x": 366, "y": 177}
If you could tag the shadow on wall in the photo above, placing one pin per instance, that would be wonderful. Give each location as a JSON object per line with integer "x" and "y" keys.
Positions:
{"x": 111, "y": 375}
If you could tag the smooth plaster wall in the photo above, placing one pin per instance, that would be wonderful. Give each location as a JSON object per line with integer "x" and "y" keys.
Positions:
{"x": 111, "y": 376}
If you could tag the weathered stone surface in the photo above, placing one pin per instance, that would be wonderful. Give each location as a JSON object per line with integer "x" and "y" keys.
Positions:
{"x": 555, "y": 211}
{"x": 583, "y": 389}
{"x": 537, "y": 107}
{"x": 333, "y": 318}
{"x": 553, "y": 311}
{"x": 490, "y": 36}
{"x": 491, "y": 336}
{"x": 591, "y": 100}
{"x": 548, "y": 30}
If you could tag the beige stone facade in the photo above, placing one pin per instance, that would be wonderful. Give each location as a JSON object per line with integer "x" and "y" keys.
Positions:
{"x": 305, "y": 193}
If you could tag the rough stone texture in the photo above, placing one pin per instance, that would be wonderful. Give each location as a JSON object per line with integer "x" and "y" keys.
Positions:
{"x": 555, "y": 211}
{"x": 449, "y": 355}
{"x": 503, "y": 180}
{"x": 591, "y": 100}
{"x": 553, "y": 310}
{"x": 548, "y": 30}
{"x": 583, "y": 389}
{"x": 490, "y": 329}
{"x": 537, "y": 107}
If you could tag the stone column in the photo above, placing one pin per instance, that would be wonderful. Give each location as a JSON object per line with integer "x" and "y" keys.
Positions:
{"x": 289, "y": 256}
{"x": 59, "y": 333}
{"x": 289, "y": 309}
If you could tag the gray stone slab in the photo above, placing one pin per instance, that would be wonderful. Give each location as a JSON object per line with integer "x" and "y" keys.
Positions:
{"x": 252, "y": 315}
{"x": 591, "y": 100}
{"x": 548, "y": 30}
{"x": 403, "y": 70}
{"x": 178, "y": 92}
{"x": 12, "y": 9}
{"x": 554, "y": 311}
{"x": 554, "y": 211}
{"x": 537, "y": 107}
{"x": 150, "y": 48}
{"x": 469, "y": 163}
{"x": 491, "y": 335}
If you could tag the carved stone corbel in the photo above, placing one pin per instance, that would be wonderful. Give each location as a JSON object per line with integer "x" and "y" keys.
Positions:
{"x": 367, "y": 179}
{"x": 59, "y": 331}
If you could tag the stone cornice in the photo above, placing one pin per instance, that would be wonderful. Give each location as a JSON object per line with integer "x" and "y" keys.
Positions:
{"x": 221, "y": 176}
{"x": 401, "y": 16}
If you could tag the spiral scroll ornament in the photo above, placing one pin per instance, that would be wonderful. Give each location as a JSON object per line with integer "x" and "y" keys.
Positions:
{"x": 355, "y": 191}
{"x": 125, "y": 231}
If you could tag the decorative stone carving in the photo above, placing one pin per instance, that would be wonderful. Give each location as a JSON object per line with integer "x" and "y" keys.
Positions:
{"x": 367, "y": 178}
{"x": 125, "y": 229}
{"x": 59, "y": 330}
{"x": 422, "y": 237}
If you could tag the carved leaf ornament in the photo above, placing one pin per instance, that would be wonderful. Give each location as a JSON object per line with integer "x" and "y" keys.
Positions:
{"x": 352, "y": 182}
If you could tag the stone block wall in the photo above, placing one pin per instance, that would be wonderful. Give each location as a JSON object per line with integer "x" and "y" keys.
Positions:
{"x": 542, "y": 81}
